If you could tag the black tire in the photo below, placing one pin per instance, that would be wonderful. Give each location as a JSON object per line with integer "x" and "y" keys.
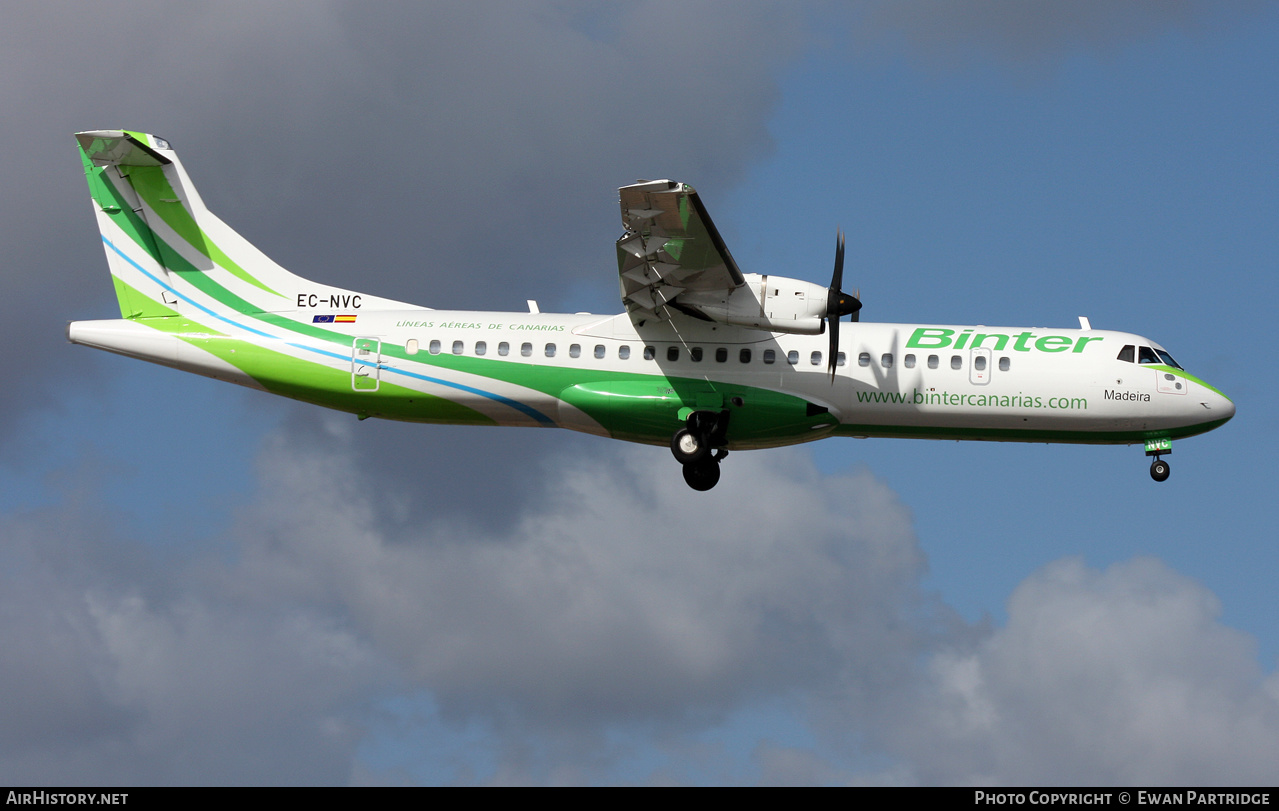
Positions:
{"x": 688, "y": 447}
{"x": 1159, "y": 470}
{"x": 702, "y": 475}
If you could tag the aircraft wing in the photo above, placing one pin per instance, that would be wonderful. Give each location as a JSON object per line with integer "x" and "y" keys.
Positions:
{"x": 670, "y": 248}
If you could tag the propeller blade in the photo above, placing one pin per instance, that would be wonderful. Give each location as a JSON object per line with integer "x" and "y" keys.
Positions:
{"x": 833, "y": 324}
{"x": 834, "y": 303}
{"x": 839, "y": 304}
{"x": 837, "y": 278}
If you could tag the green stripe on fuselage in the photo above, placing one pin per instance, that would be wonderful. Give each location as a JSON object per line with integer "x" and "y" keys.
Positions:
{"x": 645, "y": 407}
{"x": 1188, "y": 376}
{"x": 309, "y": 381}
{"x": 1025, "y": 434}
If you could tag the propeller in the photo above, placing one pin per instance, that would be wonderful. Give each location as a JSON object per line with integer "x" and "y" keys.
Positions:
{"x": 838, "y": 304}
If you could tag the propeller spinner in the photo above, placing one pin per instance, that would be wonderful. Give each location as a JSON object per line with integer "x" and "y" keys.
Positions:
{"x": 838, "y": 304}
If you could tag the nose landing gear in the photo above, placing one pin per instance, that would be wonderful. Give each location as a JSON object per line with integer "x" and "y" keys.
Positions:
{"x": 1159, "y": 469}
{"x": 696, "y": 446}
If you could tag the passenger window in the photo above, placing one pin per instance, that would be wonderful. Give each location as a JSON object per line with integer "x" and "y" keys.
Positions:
{"x": 649, "y": 353}
{"x": 504, "y": 349}
{"x": 434, "y": 348}
{"x": 909, "y": 361}
{"x": 956, "y": 362}
{"x": 979, "y": 363}
{"x": 623, "y": 352}
{"x": 526, "y": 350}
{"x": 1004, "y": 364}
{"x": 599, "y": 351}
{"x": 550, "y": 350}
{"x": 932, "y": 361}
{"x": 721, "y": 354}
{"x": 792, "y": 357}
{"x": 863, "y": 359}
{"x": 410, "y": 346}
{"x": 696, "y": 354}
{"x": 840, "y": 359}
{"x": 886, "y": 360}
{"x": 769, "y": 356}
{"x": 815, "y": 359}
{"x": 1128, "y": 353}
{"x": 457, "y": 347}
{"x": 575, "y": 350}
{"x": 672, "y": 353}
{"x": 1146, "y": 355}
{"x": 744, "y": 356}
{"x": 481, "y": 347}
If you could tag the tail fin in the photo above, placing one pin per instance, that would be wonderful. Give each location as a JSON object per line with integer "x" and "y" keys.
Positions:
{"x": 168, "y": 253}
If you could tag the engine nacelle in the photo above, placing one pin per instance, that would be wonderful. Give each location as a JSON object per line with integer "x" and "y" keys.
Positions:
{"x": 774, "y": 303}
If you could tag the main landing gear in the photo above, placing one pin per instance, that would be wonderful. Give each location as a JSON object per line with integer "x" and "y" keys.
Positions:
{"x": 1159, "y": 469}
{"x": 696, "y": 446}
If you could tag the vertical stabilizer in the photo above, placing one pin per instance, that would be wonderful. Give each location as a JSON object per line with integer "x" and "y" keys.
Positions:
{"x": 168, "y": 253}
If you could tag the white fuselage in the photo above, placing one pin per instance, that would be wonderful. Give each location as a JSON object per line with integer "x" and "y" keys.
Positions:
{"x": 902, "y": 380}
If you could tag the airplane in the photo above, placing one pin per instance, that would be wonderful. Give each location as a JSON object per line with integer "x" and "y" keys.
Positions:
{"x": 705, "y": 359}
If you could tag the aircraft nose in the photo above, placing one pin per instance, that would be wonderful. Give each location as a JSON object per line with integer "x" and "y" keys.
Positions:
{"x": 1227, "y": 407}
{"x": 1218, "y": 404}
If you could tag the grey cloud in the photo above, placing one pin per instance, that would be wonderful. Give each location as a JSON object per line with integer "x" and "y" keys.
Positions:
{"x": 448, "y": 155}
{"x": 623, "y": 599}
{"x": 620, "y": 613}
{"x": 121, "y": 667}
{"x": 623, "y": 596}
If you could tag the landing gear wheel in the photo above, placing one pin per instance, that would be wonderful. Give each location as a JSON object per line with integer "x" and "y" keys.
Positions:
{"x": 1159, "y": 470}
{"x": 689, "y": 448}
{"x": 702, "y": 475}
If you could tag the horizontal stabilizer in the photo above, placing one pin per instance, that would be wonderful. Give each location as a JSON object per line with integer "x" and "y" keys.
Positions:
{"x": 120, "y": 148}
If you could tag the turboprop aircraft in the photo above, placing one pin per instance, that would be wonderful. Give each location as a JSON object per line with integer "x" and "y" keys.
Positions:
{"x": 706, "y": 359}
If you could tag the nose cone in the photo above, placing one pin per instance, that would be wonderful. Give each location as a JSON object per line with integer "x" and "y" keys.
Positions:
{"x": 1217, "y": 405}
{"x": 1226, "y": 407}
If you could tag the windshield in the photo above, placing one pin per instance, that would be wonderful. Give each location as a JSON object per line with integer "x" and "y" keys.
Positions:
{"x": 1167, "y": 359}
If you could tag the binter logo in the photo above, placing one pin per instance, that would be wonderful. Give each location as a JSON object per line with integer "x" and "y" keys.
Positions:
{"x": 942, "y": 338}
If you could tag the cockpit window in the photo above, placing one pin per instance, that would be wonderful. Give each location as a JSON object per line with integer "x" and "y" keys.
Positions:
{"x": 1128, "y": 354}
{"x": 1167, "y": 359}
{"x": 1146, "y": 355}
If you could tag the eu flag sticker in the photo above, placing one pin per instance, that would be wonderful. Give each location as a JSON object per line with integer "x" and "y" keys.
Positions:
{"x": 322, "y": 319}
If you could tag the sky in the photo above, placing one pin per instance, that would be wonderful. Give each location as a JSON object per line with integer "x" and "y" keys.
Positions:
{"x": 202, "y": 584}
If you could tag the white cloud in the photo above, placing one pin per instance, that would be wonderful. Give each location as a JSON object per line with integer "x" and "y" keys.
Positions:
{"x": 1121, "y": 676}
